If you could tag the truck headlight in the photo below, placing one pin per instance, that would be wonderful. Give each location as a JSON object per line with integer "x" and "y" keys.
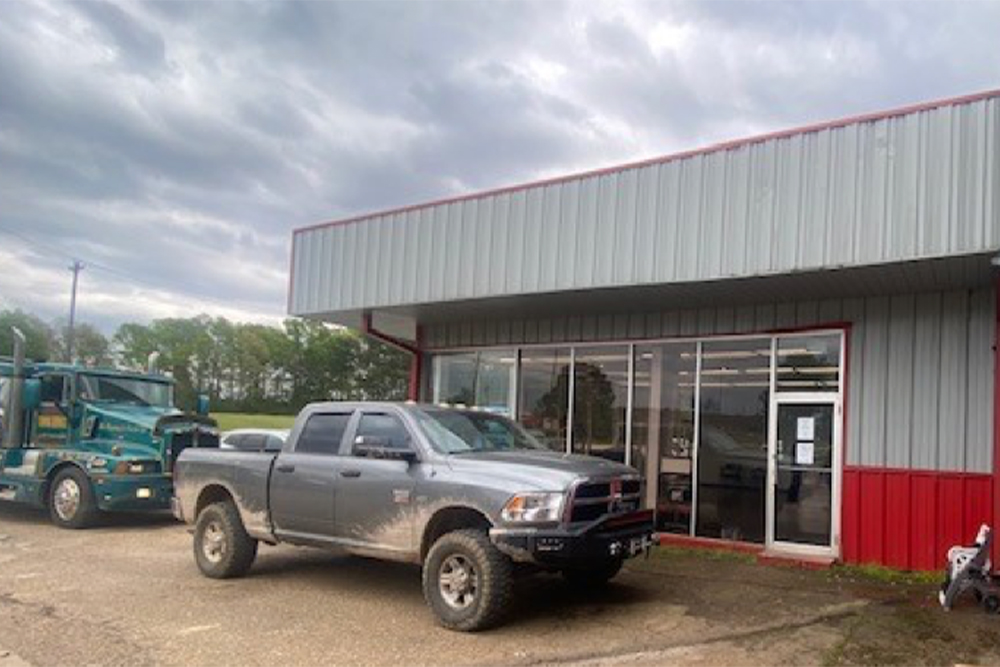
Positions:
{"x": 136, "y": 467}
{"x": 538, "y": 507}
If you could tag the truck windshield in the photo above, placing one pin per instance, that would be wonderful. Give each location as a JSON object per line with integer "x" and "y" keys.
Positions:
{"x": 125, "y": 390}
{"x": 457, "y": 431}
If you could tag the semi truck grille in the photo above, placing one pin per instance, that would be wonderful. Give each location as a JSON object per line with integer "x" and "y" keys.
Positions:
{"x": 181, "y": 441}
{"x": 592, "y": 500}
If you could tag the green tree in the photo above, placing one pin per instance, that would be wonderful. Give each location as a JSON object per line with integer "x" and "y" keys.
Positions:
{"x": 40, "y": 340}
{"x": 90, "y": 346}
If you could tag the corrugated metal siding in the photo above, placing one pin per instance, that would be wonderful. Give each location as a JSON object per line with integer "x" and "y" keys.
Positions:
{"x": 918, "y": 185}
{"x": 920, "y": 378}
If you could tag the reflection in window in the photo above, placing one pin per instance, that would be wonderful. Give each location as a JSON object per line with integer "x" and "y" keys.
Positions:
{"x": 663, "y": 429}
{"x": 600, "y": 400}
{"x": 808, "y": 363}
{"x": 544, "y": 393}
{"x": 732, "y": 447}
{"x": 476, "y": 379}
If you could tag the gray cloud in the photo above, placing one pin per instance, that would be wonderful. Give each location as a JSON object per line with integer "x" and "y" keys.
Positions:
{"x": 178, "y": 143}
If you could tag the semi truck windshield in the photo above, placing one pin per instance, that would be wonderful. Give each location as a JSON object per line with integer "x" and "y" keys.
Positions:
{"x": 125, "y": 390}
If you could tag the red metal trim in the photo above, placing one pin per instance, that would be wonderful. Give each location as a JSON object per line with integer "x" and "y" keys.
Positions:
{"x": 907, "y": 518}
{"x": 416, "y": 360}
{"x": 723, "y": 146}
{"x": 995, "y": 519}
{"x": 416, "y": 369}
{"x": 369, "y": 330}
{"x": 957, "y": 474}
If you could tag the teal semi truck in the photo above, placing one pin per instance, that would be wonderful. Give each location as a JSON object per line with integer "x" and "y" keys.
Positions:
{"x": 79, "y": 441}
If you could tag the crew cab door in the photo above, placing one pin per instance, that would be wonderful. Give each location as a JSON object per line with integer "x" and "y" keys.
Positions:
{"x": 304, "y": 479}
{"x": 375, "y": 496}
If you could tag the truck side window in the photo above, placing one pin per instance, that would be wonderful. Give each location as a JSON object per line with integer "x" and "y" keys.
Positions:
{"x": 322, "y": 434}
{"x": 53, "y": 388}
{"x": 384, "y": 426}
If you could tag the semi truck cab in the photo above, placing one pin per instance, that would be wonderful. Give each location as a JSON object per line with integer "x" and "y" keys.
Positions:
{"x": 80, "y": 441}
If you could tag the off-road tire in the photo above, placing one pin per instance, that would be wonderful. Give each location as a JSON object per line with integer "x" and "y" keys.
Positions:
{"x": 222, "y": 547}
{"x": 991, "y": 604}
{"x": 86, "y": 511}
{"x": 593, "y": 575}
{"x": 494, "y": 574}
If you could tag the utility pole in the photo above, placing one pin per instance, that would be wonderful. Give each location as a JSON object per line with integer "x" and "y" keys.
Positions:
{"x": 75, "y": 268}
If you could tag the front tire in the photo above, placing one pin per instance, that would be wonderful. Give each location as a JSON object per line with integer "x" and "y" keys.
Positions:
{"x": 222, "y": 547}
{"x": 467, "y": 581}
{"x": 71, "y": 500}
{"x": 593, "y": 575}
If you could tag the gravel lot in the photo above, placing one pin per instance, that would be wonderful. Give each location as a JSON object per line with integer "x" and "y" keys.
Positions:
{"x": 129, "y": 593}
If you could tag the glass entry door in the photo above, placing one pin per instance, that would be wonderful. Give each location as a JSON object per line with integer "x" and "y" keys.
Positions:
{"x": 803, "y": 484}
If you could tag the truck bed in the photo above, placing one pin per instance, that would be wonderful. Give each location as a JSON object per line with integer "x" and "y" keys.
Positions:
{"x": 244, "y": 475}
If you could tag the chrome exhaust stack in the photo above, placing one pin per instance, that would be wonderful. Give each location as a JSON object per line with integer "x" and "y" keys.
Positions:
{"x": 13, "y": 411}
{"x": 152, "y": 363}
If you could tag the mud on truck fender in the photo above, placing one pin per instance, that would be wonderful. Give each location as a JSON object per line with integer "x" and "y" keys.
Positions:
{"x": 222, "y": 547}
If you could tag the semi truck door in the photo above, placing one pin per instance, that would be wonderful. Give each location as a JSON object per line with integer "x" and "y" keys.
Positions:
{"x": 375, "y": 495}
{"x": 52, "y": 419}
{"x": 303, "y": 480}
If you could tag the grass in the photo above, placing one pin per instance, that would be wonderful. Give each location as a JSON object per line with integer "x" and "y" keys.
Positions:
{"x": 230, "y": 420}
{"x": 665, "y": 551}
{"x": 886, "y": 574}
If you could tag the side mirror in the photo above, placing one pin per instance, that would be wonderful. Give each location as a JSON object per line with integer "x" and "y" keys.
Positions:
{"x": 375, "y": 447}
{"x": 31, "y": 395}
{"x": 202, "y": 405}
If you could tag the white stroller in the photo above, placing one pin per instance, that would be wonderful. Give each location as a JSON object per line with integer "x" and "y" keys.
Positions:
{"x": 969, "y": 568}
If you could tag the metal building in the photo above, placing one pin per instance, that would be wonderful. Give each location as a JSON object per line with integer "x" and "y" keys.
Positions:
{"x": 792, "y": 336}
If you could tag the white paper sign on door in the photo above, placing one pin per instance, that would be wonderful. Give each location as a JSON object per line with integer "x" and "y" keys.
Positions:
{"x": 804, "y": 453}
{"x": 806, "y": 428}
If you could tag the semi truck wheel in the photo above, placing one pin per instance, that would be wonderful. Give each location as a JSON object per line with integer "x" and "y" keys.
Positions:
{"x": 222, "y": 547}
{"x": 592, "y": 575}
{"x": 467, "y": 581}
{"x": 71, "y": 499}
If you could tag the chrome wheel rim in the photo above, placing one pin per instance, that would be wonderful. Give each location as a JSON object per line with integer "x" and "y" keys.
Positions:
{"x": 213, "y": 542}
{"x": 67, "y": 499}
{"x": 458, "y": 581}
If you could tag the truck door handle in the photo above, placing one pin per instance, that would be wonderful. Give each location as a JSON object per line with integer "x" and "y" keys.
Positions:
{"x": 285, "y": 467}
{"x": 350, "y": 473}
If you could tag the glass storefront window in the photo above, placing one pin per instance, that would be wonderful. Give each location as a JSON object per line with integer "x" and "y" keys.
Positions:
{"x": 699, "y": 420}
{"x": 476, "y": 379}
{"x": 543, "y": 400}
{"x": 808, "y": 363}
{"x": 732, "y": 438}
{"x": 663, "y": 429}
{"x": 600, "y": 401}
{"x": 455, "y": 378}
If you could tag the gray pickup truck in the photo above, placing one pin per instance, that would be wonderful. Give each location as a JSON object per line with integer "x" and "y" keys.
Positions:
{"x": 465, "y": 493}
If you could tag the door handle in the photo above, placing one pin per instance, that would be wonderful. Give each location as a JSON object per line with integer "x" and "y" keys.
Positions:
{"x": 350, "y": 473}
{"x": 285, "y": 467}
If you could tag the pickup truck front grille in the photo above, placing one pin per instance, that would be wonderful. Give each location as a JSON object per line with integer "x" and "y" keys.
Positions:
{"x": 592, "y": 500}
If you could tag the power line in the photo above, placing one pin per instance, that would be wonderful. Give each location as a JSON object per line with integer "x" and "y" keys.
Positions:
{"x": 75, "y": 268}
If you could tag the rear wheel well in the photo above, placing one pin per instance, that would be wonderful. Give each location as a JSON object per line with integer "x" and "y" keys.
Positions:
{"x": 210, "y": 495}
{"x": 448, "y": 520}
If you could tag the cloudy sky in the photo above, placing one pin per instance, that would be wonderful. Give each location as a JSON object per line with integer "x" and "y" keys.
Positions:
{"x": 173, "y": 146}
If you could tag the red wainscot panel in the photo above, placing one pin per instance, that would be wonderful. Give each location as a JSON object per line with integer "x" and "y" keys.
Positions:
{"x": 908, "y": 519}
